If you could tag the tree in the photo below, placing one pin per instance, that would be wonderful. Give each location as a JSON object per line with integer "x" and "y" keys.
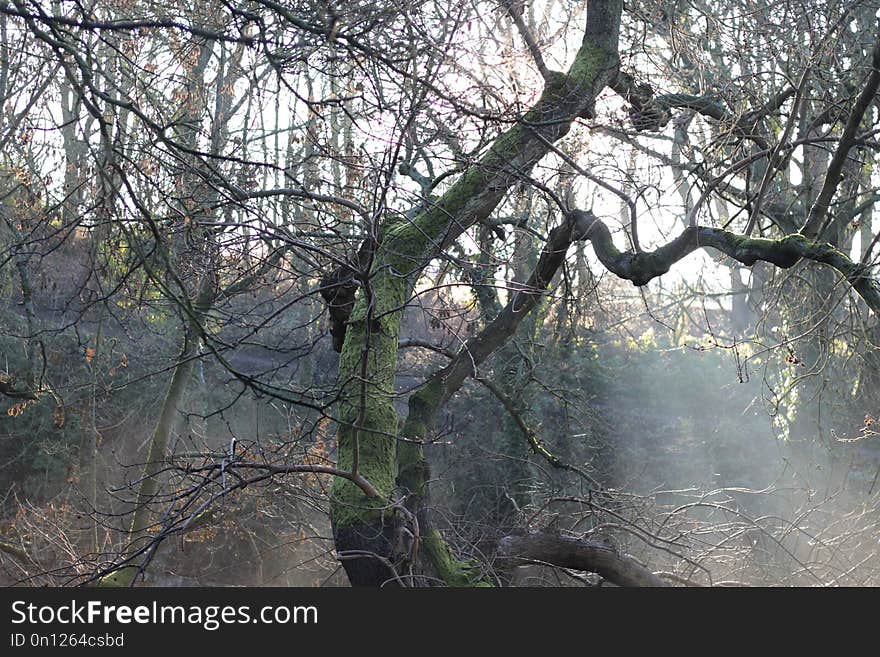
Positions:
{"x": 368, "y": 358}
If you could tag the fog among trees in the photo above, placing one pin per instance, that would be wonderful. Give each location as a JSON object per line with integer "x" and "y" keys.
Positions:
{"x": 422, "y": 293}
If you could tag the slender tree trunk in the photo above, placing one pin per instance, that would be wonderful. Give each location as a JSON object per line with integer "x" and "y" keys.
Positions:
{"x": 148, "y": 487}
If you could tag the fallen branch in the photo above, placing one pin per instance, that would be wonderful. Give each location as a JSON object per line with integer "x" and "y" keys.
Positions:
{"x": 576, "y": 554}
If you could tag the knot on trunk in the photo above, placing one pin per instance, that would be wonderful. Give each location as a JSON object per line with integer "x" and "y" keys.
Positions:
{"x": 339, "y": 288}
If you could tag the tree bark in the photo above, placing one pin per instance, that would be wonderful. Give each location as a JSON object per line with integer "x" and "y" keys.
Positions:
{"x": 575, "y": 554}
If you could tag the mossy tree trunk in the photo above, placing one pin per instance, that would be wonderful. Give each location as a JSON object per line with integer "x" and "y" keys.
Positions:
{"x": 368, "y": 436}
{"x": 363, "y": 527}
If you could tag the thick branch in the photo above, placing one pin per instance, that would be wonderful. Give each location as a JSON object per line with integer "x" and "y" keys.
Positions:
{"x": 651, "y": 113}
{"x": 478, "y": 348}
{"x": 640, "y": 268}
{"x": 644, "y": 113}
{"x": 576, "y": 554}
{"x": 477, "y": 193}
{"x": 425, "y": 403}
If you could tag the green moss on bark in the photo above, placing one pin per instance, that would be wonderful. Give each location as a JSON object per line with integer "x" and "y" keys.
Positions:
{"x": 451, "y": 570}
{"x": 368, "y": 423}
{"x": 122, "y": 578}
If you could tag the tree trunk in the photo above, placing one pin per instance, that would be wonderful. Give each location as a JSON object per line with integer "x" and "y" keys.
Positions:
{"x": 141, "y": 522}
{"x": 575, "y": 554}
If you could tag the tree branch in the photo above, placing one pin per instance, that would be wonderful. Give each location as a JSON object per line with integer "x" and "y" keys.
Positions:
{"x": 576, "y": 554}
{"x": 640, "y": 268}
{"x": 535, "y": 443}
{"x": 651, "y": 113}
{"x": 514, "y": 9}
{"x": 815, "y": 223}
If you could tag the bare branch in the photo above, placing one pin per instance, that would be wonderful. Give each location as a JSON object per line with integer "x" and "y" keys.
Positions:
{"x": 514, "y": 9}
{"x": 640, "y": 268}
{"x": 816, "y": 222}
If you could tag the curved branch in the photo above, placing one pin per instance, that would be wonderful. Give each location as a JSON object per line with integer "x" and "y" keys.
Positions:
{"x": 576, "y": 554}
{"x": 640, "y": 268}
{"x": 651, "y": 113}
